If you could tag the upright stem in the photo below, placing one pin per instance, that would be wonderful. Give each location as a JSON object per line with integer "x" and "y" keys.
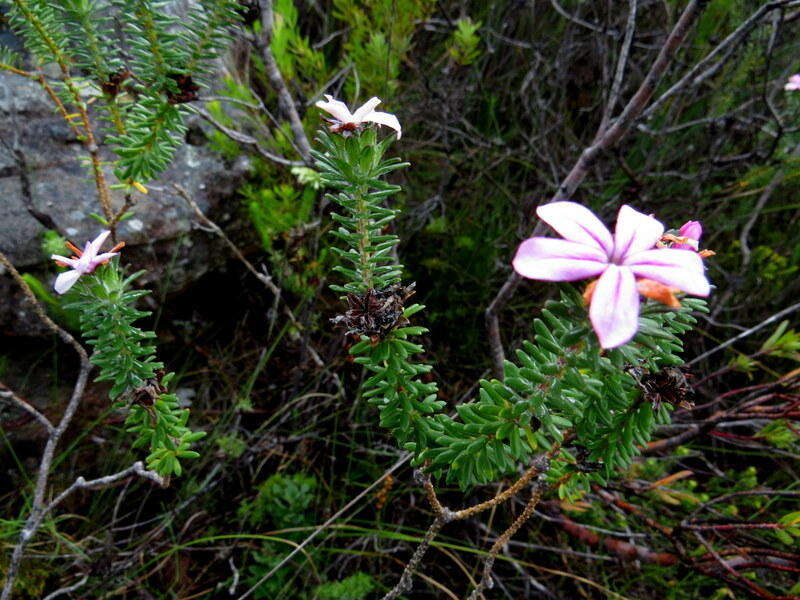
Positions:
{"x": 116, "y": 115}
{"x": 148, "y": 24}
{"x": 59, "y": 105}
{"x": 363, "y": 229}
{"x": 104, "y": 195}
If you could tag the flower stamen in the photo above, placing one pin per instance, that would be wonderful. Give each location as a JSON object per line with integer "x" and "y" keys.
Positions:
{"x": 658, "y": 292}
{"x": 589, "y": 292}
{"x": 78, "y": 252}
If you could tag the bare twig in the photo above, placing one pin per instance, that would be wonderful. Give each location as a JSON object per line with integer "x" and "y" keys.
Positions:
{"x": 66, "y": 590}
{"x": 633, "y": 109}
{"x": 236, "y": 575}
{"x": 136, "y": 468}
{"x": 776, "y": 180}
{"x": 38, "y": 506}
{"x": 492, "y": 316}
{"x": 604, "y": 140}
{"x": 444, "y": 515}
{"x": 276, "y": 79}
{"x": 6, "y": 392}
{"x": 264, "y": 276}
{"x": 246, "y": 140}
{"x": 404, "y": 584}
{"x": 726, "y": 497}
{"x": 578, "y": 21}
{"x": 59, "y": 104}
{"x": 746, "y": 333}
{"x": 616, "y": 86}
{"x": 621, "y": 549}
{"x": 403, "y": 460}
{"x": 541, "y": 465}
{"x": 631, "y": 509}
{"x": 733, "y": 526}
{"x": 738, "y": 578}
{"x": 92, "y": 147}
{"x": 695, "y": 75}
{"x": 488, "y": 562}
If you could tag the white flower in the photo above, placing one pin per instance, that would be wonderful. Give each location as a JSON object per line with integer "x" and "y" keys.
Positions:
{"x": 85, "y": 261}
{"x": 366, "y": 113}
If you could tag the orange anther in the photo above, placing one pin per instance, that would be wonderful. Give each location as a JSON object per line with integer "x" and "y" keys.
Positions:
{"x": 74, "y": 248}
{"x": 658, "y": 292}
{"x": 589, "y": 291}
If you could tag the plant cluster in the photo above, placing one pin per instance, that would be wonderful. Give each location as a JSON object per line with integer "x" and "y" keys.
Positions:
{"x": 287, "y": 502}
{"x": 563, "y": 389}
{"x": 125, "y": 356}
{"x": 590, "y": 408}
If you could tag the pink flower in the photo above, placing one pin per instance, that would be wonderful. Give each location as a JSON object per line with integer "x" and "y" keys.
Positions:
{"x": 347, "y": 121}
{"x": 691, "y": 230}
{"x": 793, "y": 85}
{"x": 83, "y": 263}
{"x": 588, "y": 250}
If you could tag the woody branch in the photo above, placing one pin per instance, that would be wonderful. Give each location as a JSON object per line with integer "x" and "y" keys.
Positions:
{"x": 39, "y": 506}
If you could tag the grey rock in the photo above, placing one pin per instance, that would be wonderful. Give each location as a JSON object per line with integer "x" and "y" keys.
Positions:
{"x": 43, "y": 171}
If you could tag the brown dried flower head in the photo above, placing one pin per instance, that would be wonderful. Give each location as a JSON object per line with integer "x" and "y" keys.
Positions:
{"x": 670, "y": 385}
{"x": 375, "y": 313}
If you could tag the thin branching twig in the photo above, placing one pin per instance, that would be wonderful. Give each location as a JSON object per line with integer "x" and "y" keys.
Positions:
{"x": 403, "y": 460}
{"x": 276, "y": 79}
{"x": 40, "y": 507}
{"x": 604, "y": 140}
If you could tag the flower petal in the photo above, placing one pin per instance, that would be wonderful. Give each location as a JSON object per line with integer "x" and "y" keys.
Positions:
{"x": 634, "y": 232}
{"x": 577, "y": 223}
{"x": 551, "y": 259}
{"x": 388, "y": 119}
{"x": 66, "y": 280}
{"x": 682, "y": 269}
{"x": 93, "y": 247}
{"x": 335, "y": 107}
{"x": 614, "y": 311}
{"x": 72, "y": 262}
{"x": 692, "y": 230}
{"x": 102, "y": 259}
{"x": 366, "y": 108}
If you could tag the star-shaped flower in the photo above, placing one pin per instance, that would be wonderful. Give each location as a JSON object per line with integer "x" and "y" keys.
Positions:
{"x": 366, "y": 113}
{"x": 627, "y": 263}
{"x": 84, "y": 262}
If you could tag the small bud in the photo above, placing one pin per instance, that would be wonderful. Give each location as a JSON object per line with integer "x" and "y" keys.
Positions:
{"x": 139, "y": 187}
